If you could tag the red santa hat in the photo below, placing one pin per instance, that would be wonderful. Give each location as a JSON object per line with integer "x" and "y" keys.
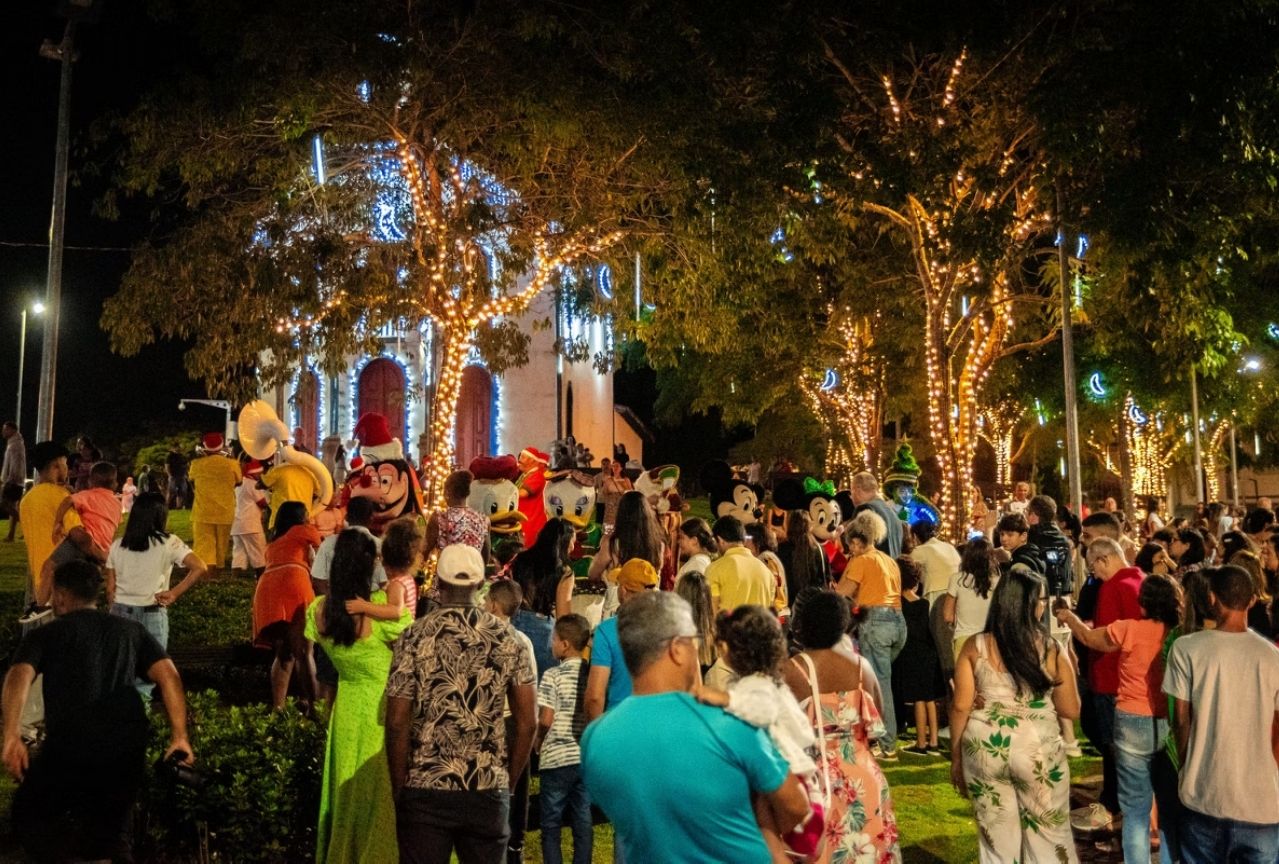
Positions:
{"x": 212, "y": 442}
{"x": 535, "y": 455}
{"x": 495, "y": 468}
{"x": 252, "y": 468}
{"x": 375, "y": 439}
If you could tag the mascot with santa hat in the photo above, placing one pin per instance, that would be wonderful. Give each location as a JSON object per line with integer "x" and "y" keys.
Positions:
{"x": 380, "y": 471}
{"x": 533, "y": 472}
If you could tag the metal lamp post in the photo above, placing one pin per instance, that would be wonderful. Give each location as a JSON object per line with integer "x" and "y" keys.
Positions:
{"x": 37, "y": 308}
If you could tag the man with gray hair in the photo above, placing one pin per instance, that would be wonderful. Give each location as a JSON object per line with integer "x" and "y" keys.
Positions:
{"x": 865, "y": 492}
{"x": 677, "y": 778}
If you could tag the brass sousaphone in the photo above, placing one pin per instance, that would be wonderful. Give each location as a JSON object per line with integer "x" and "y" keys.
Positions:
{"x": 263, "y": 434}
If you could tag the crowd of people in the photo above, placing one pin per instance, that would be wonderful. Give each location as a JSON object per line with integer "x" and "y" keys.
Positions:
{"x": 775, "y": 672}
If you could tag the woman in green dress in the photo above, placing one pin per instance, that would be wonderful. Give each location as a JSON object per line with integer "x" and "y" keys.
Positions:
{"x": 357, "y": 813}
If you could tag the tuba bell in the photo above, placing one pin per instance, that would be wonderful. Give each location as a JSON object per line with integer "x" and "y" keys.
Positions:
{"x": 263, "y": 434}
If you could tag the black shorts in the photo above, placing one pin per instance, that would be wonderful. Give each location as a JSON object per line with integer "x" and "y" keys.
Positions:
{"x": 12, "y": 492}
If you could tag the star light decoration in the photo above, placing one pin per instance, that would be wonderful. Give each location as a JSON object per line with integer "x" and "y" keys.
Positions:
{"x": 848, "y": 401}
{"x": 967, "y": 298}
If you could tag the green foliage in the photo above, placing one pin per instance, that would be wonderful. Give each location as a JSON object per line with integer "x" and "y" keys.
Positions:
{"x": 214, "y": 613}
{"x": 261, "y": 798}
{"x": 155, "y": 453}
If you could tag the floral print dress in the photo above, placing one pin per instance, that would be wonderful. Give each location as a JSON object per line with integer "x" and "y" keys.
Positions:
{"x": 1016, "y": 772}
{"x": 861, "y": 826}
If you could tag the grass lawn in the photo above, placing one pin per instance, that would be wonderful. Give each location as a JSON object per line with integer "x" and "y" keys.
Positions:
{"x": 936, "y": 824}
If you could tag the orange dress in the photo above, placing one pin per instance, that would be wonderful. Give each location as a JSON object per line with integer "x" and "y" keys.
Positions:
{"x": 284, "y": 590}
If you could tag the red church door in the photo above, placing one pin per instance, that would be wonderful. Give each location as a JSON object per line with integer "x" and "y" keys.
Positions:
{"x": 474, "y": 414}
{"x": 382, "y": 391}
{"x": 306, "y": 400}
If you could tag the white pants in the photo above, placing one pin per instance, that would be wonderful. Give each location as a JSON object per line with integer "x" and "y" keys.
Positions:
{"x": 248, "y": 551}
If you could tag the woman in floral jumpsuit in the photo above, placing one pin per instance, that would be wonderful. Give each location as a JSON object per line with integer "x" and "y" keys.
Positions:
{"x": 1011, "y": 685}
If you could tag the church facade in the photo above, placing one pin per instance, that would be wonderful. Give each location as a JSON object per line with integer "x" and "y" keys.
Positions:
{"x": 548, "y": 398}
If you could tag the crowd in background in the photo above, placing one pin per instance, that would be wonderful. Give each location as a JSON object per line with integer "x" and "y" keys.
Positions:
{"x": 779, "y": 672}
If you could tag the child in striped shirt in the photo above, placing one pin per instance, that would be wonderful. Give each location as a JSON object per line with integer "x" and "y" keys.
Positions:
{"x": 561, "y": 701}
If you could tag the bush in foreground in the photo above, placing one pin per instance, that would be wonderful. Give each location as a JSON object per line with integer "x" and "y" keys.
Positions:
{"x": 261, "y": 793}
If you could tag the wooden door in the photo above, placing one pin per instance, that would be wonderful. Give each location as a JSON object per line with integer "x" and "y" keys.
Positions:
{"x": 474, "y": 415}
{"x": 382, "y": 391}
{"x": 306, "y": 403}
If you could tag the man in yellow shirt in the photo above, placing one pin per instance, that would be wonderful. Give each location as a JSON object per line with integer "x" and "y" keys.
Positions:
{"x": 736, "y": 577}
{"x": 215, "y": 476}
{"x": 38, "y": 510}
{"x": 288, "y": 482}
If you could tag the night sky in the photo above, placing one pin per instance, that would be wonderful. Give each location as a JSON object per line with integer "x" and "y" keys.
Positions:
{"x": 98, "y": 393}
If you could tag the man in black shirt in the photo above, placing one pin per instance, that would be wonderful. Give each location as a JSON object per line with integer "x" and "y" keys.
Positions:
{"x": 76, "y": 795}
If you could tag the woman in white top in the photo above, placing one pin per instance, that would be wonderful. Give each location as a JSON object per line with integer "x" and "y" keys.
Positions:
{"x": 140, "y": 565}
{"x": 696, "y": 546}
{"x": 967, "y": 599}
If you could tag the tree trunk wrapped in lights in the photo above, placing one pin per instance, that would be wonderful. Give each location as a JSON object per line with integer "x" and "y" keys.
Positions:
{"x": 848, "y": 400}
{"x": 998, "y": 425}
{"x": 1146, "y": 445}
{"x": 957, "y": 181}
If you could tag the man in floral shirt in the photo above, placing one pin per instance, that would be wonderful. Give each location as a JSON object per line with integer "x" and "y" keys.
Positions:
{"x": 451, "y": 761}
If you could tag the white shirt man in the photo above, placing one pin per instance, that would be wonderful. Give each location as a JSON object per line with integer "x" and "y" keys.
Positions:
{"x": 1020, "y": 500}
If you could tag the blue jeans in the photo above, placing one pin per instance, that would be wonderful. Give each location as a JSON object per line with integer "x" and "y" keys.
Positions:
{"x": 156, "y": 621}
{"x": 1137, "y": 740}
{"x": 564, "y": 799}
{"x": 1209, "y": 840}
{"x": 881, "y": 638}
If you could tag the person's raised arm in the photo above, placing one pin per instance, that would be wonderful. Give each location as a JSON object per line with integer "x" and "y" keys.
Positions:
{"x": 601, "y": 562}
{"x": 523, "y": 701}
{"x": 432, "y": 532}
{"x": 564, "y": 595}
{"x": 596, "y": 690}
{"x": 399, "y": 722}
{"x": 165, "y": 676}
{"x": 1095, "y": 638}
{"x": 17, "y": 685}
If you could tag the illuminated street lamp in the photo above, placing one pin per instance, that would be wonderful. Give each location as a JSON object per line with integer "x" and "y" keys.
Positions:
{"x": 37, "y": 308}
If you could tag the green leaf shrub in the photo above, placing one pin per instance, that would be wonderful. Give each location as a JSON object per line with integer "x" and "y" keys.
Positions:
{"x": 261, "y": 795}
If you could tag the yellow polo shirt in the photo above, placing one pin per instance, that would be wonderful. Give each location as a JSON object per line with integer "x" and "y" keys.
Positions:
{"x": 738, "y": 578}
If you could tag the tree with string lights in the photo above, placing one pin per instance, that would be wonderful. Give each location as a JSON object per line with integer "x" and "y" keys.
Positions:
{"x": 419, "y": 169}
{"x": 941, "y": 156}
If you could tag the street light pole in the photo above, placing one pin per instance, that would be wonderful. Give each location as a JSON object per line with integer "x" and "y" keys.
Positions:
{"x": 22, "y": 362}
{"x": 1194, "y": 420}
{"x": 53, "y": 290}
{"x": 1068, "y": 367}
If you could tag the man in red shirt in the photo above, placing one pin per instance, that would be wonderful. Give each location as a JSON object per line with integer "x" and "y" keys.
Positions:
{"x": 1116, "y": 601}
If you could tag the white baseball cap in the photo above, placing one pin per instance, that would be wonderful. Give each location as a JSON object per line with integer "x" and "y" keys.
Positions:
{"x": 460, "y": 564}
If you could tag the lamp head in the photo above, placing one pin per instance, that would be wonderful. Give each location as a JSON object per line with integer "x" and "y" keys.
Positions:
{"x": 37, "y": 308}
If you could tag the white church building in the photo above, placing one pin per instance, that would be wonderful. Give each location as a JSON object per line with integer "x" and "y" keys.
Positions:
{"x": 548, "y": 398}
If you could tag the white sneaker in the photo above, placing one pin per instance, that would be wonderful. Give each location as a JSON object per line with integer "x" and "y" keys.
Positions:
{"x": 1072, "y": 750}
{"x": 1094, "y": 817}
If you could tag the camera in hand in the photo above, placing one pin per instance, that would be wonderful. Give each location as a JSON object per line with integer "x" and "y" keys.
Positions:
{"x": 175, "y": 770}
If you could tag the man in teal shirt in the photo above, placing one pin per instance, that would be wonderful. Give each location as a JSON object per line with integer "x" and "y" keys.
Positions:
{"x": 676, "y": 777}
